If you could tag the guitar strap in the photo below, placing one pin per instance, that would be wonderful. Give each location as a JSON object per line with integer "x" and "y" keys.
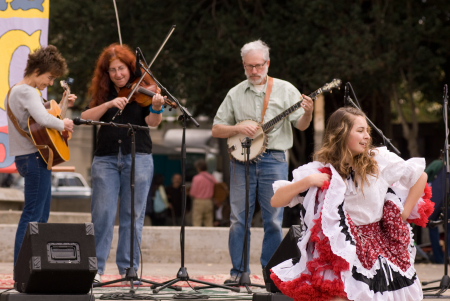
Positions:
{"x": 266, "y": 98}
{"x": 26, "y": 135}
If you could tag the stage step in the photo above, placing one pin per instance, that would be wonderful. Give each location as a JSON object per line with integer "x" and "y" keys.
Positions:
{"x": 162, "y": 244}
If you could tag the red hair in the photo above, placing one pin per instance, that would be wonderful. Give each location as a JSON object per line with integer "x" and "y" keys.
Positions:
{"x": 101, "y": 81}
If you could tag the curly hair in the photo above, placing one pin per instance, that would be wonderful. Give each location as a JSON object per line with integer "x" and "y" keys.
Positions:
{"x": 336, "y": 152}
{"x": 46, "y": 59}
{"x": 101, "y": 81}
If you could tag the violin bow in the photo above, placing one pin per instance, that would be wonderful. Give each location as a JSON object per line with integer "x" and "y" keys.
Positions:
{"x": 148, "y": 66}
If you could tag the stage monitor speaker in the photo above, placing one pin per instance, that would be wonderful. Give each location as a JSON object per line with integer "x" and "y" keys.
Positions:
{"x": 288, "y": 249}
{"x": 56, "y": 259}
{"x": 15, "y": 296}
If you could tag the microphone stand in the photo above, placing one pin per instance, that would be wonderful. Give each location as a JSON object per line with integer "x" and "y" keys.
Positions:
{"x": 349, "y": 101}
{"x": 130, "y": 271}
{"x": 182, "y": 274}
{"x": 445, "y": 281}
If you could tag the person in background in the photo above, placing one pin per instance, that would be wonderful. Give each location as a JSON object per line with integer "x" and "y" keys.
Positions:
{"x": 175, "y": 197}
{"x": 157, "y": 202}
{"x": 44, "y": 65}
{"x": 222, "y": 208}
{"x": 436, "y": 179}
{"x": 202, "y": 191}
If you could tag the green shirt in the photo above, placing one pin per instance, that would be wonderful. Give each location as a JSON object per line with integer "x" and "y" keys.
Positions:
{"x": 245, "y": 102}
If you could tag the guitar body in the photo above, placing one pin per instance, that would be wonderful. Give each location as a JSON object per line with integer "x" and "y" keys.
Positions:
{"x": 55, "y": 140}
{"x": 258, "y": 147}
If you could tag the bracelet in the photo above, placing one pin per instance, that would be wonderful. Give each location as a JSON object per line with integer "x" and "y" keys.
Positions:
{"x": 156, "y": 112}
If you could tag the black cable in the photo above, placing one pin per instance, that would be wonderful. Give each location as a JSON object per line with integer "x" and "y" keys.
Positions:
{"x": 190, "y": 296}
{"x": 127, "y": 296}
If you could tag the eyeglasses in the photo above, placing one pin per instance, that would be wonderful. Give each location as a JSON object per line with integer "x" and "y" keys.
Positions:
{"x": 120, "y": 69}
{"x": 258, "y": 67}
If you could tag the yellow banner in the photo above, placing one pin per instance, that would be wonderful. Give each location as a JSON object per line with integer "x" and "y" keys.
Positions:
{"x": 24, "y": 9}
{"x": 23, "y": 29}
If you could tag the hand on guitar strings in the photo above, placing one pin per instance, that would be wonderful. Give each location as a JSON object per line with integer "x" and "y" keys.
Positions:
{"x": 248, "y": 130}
{"x": 68, "y": 125}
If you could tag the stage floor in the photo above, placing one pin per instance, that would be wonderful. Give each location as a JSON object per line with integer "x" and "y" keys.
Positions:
{"x": 215, "y": 273}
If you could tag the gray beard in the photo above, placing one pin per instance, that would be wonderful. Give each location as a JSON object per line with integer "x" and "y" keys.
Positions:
{"x": 259, "y": 80}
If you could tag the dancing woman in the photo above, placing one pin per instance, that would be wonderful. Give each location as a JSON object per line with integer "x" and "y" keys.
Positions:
{"x": 356, "y": 242}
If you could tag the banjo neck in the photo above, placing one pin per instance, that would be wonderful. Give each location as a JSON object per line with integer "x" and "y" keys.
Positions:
{"x": 268, "y": 126}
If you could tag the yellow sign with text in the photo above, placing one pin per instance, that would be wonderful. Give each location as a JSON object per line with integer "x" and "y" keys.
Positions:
{"x": 23, "y": 29}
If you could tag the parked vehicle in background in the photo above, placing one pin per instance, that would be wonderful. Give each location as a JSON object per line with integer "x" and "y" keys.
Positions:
{"x": 64, "y": 185}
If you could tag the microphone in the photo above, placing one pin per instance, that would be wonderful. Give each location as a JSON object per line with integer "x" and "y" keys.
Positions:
{"x": 138, "y": 71}
{"x": 346, "y": 95}
{"x": 79, "y": 121}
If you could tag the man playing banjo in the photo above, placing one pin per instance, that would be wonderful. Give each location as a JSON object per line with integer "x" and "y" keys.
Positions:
{"x": 243, "y": 103}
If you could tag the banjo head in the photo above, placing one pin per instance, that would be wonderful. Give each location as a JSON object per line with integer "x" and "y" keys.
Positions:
{"x": 258, "y": 143}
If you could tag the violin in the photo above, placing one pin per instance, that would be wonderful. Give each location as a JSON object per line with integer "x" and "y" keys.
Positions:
{"x": 143, "y": 96}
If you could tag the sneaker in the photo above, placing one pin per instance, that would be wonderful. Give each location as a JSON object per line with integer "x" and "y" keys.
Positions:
{"x": 128, "y": 282}
{"x": 232, "y": 279}
{"x": 98, "y": 278}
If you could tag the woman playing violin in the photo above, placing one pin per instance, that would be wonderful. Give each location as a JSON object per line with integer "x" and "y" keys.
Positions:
{"x": 111, "y": 167}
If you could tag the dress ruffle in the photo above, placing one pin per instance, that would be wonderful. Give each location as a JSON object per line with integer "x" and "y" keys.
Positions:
{"x": 322, "y": 280}
{"x": 335, "y": 262}
{"x": 422, "y": 210}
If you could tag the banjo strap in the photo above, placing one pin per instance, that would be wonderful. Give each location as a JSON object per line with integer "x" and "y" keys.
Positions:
{"x": 266, "y": 98}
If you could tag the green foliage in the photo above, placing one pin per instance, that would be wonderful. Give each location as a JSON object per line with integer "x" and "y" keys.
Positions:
{"x": 376, "y": 45}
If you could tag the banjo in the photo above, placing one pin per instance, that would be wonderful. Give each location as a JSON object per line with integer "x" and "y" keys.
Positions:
{"x": 260, "y": 139}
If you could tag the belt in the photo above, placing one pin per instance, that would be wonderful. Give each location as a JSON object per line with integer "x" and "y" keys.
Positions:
{"x": 274, "y": 150}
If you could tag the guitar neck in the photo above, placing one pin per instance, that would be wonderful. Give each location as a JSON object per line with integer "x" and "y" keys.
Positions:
{"x": 65, "y": 101}
{"x": 268, "y": 126}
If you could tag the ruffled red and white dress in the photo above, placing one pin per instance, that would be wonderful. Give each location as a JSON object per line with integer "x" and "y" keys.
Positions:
{"x": 354, "y": 243}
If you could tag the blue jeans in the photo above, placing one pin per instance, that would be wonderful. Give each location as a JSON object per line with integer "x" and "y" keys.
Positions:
{"x": 111, "y": 180}
{"x": 263, "y": 173}
{"x": 37, "y": 194}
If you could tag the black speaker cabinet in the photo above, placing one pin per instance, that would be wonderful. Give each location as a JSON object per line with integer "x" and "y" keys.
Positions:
{"x": 287, "y": 249}
{"x": 15, "y": 296}
{"x": 56, "y": 259}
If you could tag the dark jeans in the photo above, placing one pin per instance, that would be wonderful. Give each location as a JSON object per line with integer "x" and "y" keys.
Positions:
{"x": 37, "y": 194}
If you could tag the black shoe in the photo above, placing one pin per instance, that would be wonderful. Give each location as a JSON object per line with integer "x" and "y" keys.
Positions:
{"x": 232, "y": 279}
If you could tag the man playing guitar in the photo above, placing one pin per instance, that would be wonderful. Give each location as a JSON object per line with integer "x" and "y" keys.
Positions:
{"x": 24, "y": 101}
{"x": 246, "y": 101}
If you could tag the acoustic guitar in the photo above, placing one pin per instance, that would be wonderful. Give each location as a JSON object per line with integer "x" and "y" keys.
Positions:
{"x": 260, "y": 139}
{"x": 56, "y": 141}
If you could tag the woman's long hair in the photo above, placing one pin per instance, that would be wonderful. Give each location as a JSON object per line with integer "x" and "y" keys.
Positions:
{"x": 101, "y": 81}
{"x": 336, "y": 152}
